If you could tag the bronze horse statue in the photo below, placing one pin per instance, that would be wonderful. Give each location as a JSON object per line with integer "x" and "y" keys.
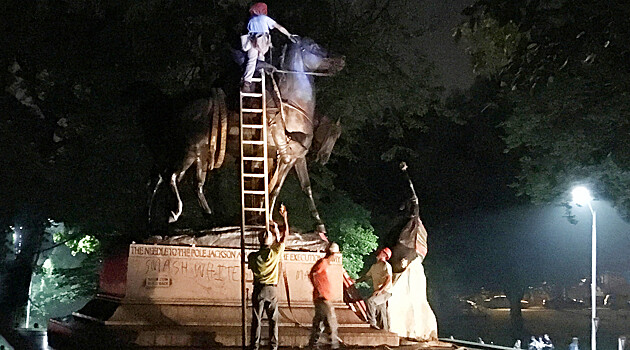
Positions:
{"x": 196, "y": 132}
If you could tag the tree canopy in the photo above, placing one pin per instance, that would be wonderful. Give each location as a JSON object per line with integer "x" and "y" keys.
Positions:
{"x": 560, "y": 72}
{"x": 563, "y": 69}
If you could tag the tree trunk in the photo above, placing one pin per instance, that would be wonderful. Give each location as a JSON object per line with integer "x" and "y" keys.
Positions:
{"x": 16, "y": 273}
{"x": 516, "y": 316}
{"x": 12, "y": 302}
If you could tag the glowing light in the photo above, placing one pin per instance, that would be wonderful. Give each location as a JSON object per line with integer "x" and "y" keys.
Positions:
{"x": 581, "y": 195}
{"x": 47, "y": 266}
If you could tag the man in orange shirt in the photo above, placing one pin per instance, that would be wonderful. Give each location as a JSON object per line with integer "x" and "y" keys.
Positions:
{"x": 322, "y": 295}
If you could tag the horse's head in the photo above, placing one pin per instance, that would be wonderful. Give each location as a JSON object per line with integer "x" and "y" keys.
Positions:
{"x": 325, "y": 137}
{"x": 307, "y": 55}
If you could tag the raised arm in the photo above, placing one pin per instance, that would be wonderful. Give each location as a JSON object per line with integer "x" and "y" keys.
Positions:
{"x": 284, "y": 31}
{"x": 284, "y": 234}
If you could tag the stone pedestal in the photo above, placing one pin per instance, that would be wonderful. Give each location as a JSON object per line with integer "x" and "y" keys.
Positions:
{"x": 190, "y": 296}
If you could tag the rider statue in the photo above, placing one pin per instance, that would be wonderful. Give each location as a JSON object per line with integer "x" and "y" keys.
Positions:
{"x": 256, "y": 44}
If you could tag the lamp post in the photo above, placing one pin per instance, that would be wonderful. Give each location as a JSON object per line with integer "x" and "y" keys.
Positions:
{"x": 581, "y": 195}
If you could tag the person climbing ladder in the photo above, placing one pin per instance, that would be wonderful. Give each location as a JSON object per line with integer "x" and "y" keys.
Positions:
{"x": 258, "y": 40}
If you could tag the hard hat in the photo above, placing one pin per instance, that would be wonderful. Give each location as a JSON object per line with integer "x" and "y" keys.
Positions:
{"x": 333, "y": 248}
{"x": 387, "y": 252}
{"x": 259, "y": 8}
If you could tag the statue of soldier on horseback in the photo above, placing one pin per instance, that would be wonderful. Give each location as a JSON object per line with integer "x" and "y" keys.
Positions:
{"x": 198, "y": 130}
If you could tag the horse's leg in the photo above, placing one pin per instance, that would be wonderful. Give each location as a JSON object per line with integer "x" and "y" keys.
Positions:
{"x": 202, "y": 166}
{"x": 305, "y": 182}
{"x": 153, "y": 190}
{"x": 277, "y": 130}
{"x": 297, "y": 151}
{"x": 175, "y": 178}
{"x": 180, "y": 205}
{"x": 277, "y": 180}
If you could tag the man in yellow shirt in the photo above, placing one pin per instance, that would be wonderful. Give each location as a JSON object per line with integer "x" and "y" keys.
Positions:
{"x": 264, "y": 265}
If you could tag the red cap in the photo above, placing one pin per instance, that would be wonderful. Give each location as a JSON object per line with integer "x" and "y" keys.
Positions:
{"x": 259, "y": 8}
{"x": 387, "y": 252}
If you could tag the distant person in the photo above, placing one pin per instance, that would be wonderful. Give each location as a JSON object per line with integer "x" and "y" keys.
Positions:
{"x": 574, "y": 344}
{"x": 534, "y": 344}
{"x": 325, "y": 317}
{"x": 258, "y": 40}
{"x": 546, "y": 343}
{"x": 381, "y": 275}
{"x": 264, "y": 266}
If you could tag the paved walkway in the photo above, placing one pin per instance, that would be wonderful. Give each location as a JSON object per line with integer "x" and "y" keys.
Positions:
{"x": 38, "y": 340}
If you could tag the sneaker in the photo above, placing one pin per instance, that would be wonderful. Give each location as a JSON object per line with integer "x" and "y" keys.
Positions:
{"x": 247, "y": 87}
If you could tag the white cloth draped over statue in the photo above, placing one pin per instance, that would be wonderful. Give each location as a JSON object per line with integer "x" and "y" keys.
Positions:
{"x": 410, "y": 315}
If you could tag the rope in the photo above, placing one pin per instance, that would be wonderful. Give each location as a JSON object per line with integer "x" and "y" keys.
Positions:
{"x": 307, "y": 73}
{"x": 301, "y": 111}
{"x": 212, "y": 147}
{"x": 224, "y": 126}
{"x": 276, "y": 90}
{"x": 286, "y": 288}
{"x": 282, "y": 104}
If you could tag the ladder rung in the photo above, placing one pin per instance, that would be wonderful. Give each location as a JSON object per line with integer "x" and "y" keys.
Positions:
{"x": 253, "y": 175}
{"x": 251, "y": 94}
{"x": 251, "y": 126}
{"x": 254, "y": 192}
{"x": 255, "y": 209}
{"x": 252, "y": 110}
{"x": 258, "y": 159}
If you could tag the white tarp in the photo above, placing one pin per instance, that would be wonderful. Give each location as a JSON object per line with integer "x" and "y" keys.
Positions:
{"x": 410, "y": 315}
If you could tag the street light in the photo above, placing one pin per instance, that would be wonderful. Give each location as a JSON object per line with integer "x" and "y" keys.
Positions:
{"x": 581, "y": 196}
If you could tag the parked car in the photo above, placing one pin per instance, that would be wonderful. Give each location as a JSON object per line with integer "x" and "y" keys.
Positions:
{"x": 469, "y": 307}
{"x": 501, "y": 302}
{"x": 617, "y": 301}
{"x": 564, "y": 303}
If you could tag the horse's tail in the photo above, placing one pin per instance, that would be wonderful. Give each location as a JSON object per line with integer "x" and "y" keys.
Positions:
{"x": 218, "y": 131}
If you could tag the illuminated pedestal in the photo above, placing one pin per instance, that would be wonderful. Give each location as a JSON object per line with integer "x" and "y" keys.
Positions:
{"x": 190, "y": 296}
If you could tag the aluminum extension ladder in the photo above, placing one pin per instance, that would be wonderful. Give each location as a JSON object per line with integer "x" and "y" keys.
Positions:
{"x": 254, "y": 158}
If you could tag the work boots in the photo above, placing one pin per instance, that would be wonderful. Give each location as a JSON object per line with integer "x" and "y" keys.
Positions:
{"x": 247, "y": 86}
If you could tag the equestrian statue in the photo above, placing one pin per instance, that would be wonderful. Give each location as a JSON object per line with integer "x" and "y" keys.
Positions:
{"x": 182, "y": 133}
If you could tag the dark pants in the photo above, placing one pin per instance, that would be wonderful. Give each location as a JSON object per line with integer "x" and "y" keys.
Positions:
{"x": 324, "y": 319}
{"x": 264, "y": 299}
